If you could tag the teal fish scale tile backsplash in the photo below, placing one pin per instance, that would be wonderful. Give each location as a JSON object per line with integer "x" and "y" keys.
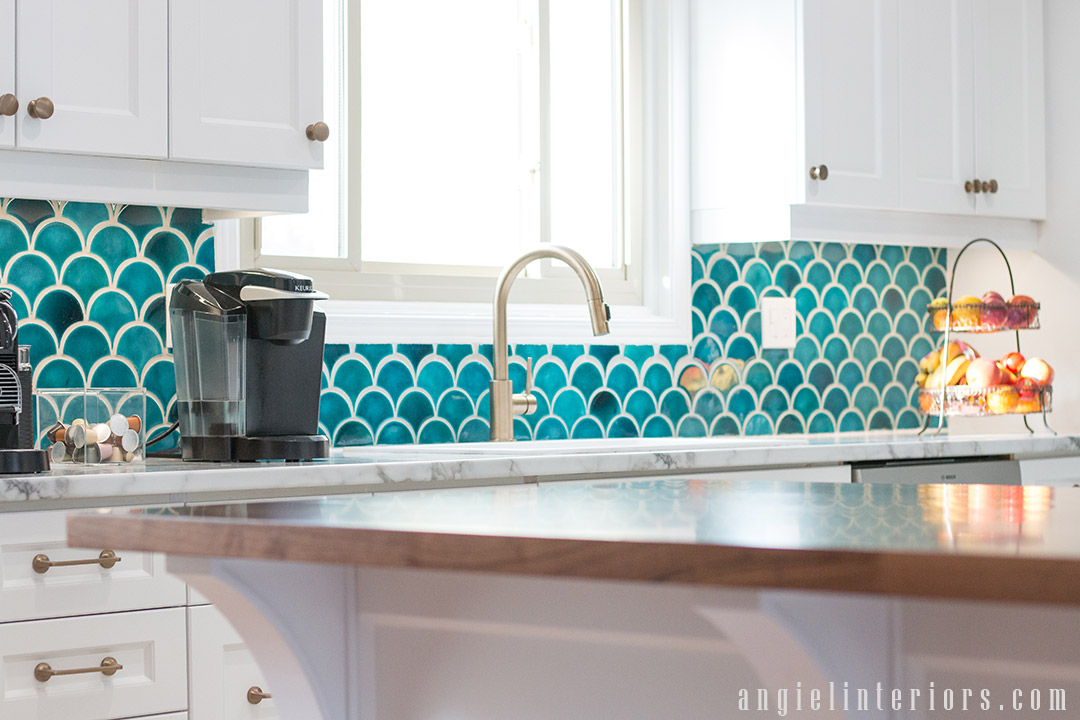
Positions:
{"x": 88, "y": 282}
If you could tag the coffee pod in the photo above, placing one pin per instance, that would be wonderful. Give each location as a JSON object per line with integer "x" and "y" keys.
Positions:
{"x": 118, "y": 424}
{"x": 92, "y": 437}
{"x": 58, "y": 452}
{"x": 75, "y": 437}
{"x": 135, "y": 423}
{"x": 128, "y": 457}
{"x": 130, "y": 441}
{"x": 106, "y": 451}
{"x": 88, "y": 454}
{"x": 78, "y": 421}
{"x": 103, "y": 433}
{"x": 56, "y": 433}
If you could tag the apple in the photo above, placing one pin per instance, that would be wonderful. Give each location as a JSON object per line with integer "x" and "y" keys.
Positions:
{"x": 1021, "y": 311}
{"x": 994, "y": 312}
{"x": 983, "y": 372}
{"x": 1039, "y": 371}
{"x": 1027, "y": 388}
{"x": 1008, "y": 377}
{"x": 1014, "y": 361}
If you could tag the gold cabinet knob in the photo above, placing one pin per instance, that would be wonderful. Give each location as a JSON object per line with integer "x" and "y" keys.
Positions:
{"x": 819, "y": 172}
{"x": 990, "y": 187}
{"x": 9, "y": 104}
{"x": 969, "y": 186}
{"x": 255, "y": 695}
{"x": 318, "y": 131}
{"x": 976, "y": 186}
{"x": 41, "y": 109}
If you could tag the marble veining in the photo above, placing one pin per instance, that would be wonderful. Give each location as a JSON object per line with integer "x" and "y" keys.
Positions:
{"x": 412, "y": 467}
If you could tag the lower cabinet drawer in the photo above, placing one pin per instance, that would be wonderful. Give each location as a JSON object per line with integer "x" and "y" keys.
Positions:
{"x": 149, "y": 645}
{"x": 225, "y": 680}
{"x": 30, "y": 590}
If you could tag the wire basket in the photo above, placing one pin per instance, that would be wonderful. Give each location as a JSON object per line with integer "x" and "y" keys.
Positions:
{"x": 968, "y": 401}
{"x": 984, "y": 317}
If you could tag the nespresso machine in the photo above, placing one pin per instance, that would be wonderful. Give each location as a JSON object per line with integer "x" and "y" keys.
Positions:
{"x": 16, "y": 408}
{"x": 248, "y": 351}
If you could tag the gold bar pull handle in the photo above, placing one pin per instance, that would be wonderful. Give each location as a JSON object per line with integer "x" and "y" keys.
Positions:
{"x": 108, "y": 667}
{"x": 106, "y": 559}
{"x": 255, "y": 695}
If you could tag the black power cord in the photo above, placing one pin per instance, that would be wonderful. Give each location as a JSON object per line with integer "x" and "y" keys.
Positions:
{"x": 161, "y": 436}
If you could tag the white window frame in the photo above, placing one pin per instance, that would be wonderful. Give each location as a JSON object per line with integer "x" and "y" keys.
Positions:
{"x": 660, "y": 312}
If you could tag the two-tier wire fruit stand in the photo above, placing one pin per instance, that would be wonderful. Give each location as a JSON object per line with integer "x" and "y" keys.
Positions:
{"x": 963, "y": 400}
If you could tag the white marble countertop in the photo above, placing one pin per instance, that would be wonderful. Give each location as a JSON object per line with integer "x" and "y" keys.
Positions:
{"x": 373, "y": 469}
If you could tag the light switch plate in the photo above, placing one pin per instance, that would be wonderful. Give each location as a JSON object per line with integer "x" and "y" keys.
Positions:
{"x": 777, "y": 323}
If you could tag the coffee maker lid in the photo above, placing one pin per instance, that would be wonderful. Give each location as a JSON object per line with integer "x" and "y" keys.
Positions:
{"x": 191, "y": 295}
{"x": 291, "y": 284}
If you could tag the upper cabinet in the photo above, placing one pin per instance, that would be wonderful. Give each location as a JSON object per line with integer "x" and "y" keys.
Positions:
{"x": 852, "y": 122}
{"x": 893, "y": 121}
{"x": 973, "y": 128}
{"x": 121, "y": 101}
{"x": 9, "y": 103}
{"x": 91, "y": 77}
{"x": 252, "y": 102}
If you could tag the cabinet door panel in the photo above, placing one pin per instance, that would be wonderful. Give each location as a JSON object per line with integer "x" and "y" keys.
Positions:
{"x": 851, "y": 80}
{"x": 1009, "y": 107}
{"x": 246, "y": 103}
{"x": 7, "y": 68}
{"x": 137, "y": 581}
{"x": 937, "y": 104}
{"x": 222, "y": 671}
{"x": 103, "y": 63}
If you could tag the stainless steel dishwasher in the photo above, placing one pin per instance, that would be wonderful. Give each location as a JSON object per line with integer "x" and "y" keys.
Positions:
{"x": 986, "y": 470}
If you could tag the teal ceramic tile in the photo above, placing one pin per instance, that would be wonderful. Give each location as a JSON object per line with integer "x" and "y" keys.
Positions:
{"x": 88, "y": 282}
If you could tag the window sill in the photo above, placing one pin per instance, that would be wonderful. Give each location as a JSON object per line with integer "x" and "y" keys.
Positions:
{"x": 368, "y": 322}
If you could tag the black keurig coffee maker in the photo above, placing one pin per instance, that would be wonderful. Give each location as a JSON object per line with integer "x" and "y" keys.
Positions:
{"x": 248, "y": 347}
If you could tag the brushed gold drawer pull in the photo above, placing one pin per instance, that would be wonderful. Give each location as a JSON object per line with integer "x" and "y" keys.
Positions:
{"x": 108, "y": 667}
{"x": 255, "y": 695}
{"x": 106, "y": 559}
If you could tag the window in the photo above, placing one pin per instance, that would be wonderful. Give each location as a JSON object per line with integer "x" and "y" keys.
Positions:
{"x": 475, "y": 131}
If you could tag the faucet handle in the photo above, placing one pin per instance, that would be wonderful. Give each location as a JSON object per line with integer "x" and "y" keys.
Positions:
{"x": 525, "y": 403}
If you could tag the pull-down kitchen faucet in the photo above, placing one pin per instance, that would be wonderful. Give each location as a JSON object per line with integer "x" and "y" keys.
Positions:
{"x": 502, "y": 401}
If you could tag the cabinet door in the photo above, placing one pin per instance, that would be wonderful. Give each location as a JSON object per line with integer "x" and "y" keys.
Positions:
{"x": 850, "y": 76}
{"x": 223, "y": 671}
{"x": 246, "y": 81}
{"x": 7, "y": 68}
{"x": 1010, "y": 125}
{"x": 937, "y": 106}
{"x": 103, "y": 64}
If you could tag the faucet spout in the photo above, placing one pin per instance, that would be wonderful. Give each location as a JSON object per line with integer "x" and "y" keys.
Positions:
{"x": 502, "y": 401}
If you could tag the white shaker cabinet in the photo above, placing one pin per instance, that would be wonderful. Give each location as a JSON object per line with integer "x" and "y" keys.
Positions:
{"x": 852, "y": 123}
{"x": 226, "y": 683}
{"x": 866, "y": 121}
{"x": 246, "y": 82}
{"x": 92, "y": 77}
{"x": 972, "y": 107}
{"x": 937, "y": 109}
{"x": 1010, "y": 107}
{"x": 8, "y": 99}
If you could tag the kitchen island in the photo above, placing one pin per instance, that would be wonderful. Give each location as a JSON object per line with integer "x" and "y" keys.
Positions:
{"x": 649, "y": 598}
